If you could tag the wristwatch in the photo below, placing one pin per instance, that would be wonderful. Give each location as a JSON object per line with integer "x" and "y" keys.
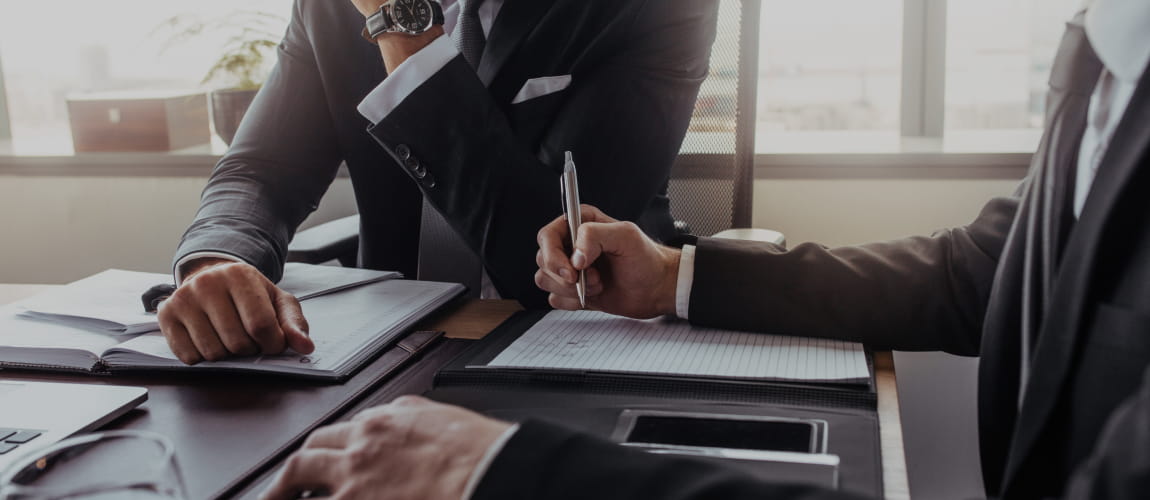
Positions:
{"x": 403, "y": 16}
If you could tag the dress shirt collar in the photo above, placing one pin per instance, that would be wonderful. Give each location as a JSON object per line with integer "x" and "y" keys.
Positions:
{"x": 1119, "y": 32}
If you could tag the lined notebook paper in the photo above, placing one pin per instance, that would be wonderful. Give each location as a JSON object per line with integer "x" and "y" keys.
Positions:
{"x": 594, "y": 341}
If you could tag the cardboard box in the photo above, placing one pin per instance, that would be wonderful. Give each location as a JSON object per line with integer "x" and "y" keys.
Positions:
{"x": 138, "y": 121}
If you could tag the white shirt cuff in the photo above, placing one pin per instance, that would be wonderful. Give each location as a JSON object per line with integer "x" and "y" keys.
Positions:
{"x": 179, "y": 271}
{"x": 485, "y": 462}
{"x": 686, "y": 279}
{"x": 407, "y": 77}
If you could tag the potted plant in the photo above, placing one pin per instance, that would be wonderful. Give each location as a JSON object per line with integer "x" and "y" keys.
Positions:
{"x": 243, "y": 63}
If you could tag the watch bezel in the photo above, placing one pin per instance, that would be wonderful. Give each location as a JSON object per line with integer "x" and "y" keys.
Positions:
{"x": 412, "y": 31}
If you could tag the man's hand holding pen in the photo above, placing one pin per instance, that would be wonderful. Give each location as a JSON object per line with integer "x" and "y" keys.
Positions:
{"x": 627, "y": 273}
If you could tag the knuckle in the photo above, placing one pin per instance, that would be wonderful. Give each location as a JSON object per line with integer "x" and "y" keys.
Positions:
{"x": 216, "y": 353}
{"x": 539, "y": 279}
{"x": 293, "y": 465}
{"x": 264, "y": 331}
{"x": 289, "y": 298}
{"x": 175, "y": 302}
{"x": 356, "y": 461}
{"x": 377, "y": 424}
{"x": 359, "y": 457}
{"x": 311, "y": 440}
{"x": 409, "y": 400}
{"x": 246, "y": 271}
{"x": 167, "y": 317}
{"x": 238, "y": 345}
{"x": 206, "y": 279}
{"x": 630, "y": 227}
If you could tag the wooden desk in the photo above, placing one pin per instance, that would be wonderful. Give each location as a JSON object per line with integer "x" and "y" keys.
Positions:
{"x": 466, "y": 321}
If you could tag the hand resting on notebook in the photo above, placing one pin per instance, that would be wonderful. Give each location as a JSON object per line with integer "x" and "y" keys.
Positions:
{"x": 628, "y": 274}
{"x": 225, "y": 308}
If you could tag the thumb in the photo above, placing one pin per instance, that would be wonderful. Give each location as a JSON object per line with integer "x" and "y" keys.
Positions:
{"x": 293, "y": 323}
{"x": 597, "y": 238}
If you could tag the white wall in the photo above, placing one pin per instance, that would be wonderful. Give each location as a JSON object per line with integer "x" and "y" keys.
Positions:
{"x": 849, "y": 211}
{"x": 56, "y": 229}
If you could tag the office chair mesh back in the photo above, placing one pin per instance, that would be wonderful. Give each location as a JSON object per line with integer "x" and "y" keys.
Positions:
{"x": 715, "y": 160}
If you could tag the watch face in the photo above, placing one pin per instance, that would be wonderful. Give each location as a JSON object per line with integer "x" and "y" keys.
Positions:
{"x": 413, "y": 16}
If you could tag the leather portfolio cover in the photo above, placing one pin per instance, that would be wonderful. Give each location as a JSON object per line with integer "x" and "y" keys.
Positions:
{"x": 596, "y": 402}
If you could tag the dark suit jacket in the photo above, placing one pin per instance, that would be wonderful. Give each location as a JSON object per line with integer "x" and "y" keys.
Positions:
{"x": 1078, "y": 291}
{"x": 491, "y": 166}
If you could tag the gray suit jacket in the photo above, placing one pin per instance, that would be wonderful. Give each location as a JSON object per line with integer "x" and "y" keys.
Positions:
{"x": 1059, "y": 311}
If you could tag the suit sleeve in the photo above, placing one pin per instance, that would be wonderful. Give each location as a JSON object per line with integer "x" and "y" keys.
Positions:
{"x": 918, "y": 293}
{"x": 547, "y": 461}
{"x": 624, "y": 119}
{"x": 1119, "y": 467}
{"x": 283, "y": 158}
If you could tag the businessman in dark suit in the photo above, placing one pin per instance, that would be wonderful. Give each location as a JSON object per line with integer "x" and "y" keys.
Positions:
{"x": 462, "y": 109}
{"x": 1051, "y": 287}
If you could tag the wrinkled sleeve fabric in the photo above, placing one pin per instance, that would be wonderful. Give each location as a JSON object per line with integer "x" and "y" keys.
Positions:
{"x": 917, "y": 293}
{"x": 281, "y": 162}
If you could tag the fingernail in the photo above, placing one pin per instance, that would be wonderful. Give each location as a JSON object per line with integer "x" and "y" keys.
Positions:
{"x": 578, "y": 259}
{"x": 565, "y": 274}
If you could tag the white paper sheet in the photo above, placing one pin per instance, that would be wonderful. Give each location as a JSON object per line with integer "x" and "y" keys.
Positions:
{"x": 111, "y": 297}
{"x": 110, "y": 301}
{"x": 594, "y": 341}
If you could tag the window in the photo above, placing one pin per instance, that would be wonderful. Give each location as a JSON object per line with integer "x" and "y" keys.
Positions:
{"x": 100, "y": 46}
{"x": 827, "y": 67}
{"x": 838, "y": 76}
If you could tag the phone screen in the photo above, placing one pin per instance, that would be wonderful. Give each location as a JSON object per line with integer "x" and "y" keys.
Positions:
{"x": 723, "y": 433}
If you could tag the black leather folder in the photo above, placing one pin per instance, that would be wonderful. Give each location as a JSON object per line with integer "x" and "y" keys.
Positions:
{"x": 605, "y": 404}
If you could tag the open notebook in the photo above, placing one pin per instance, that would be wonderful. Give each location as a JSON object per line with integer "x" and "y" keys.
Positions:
{"x": 586, "y": 341}
{"x": 109, "y": 301}
{"x": 349, "y": 322}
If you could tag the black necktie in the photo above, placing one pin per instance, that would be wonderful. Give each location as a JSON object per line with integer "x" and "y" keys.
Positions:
{"x": 469, "y": 37}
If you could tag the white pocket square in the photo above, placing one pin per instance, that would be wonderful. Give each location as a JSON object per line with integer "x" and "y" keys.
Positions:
{"x": 539, "y": 87}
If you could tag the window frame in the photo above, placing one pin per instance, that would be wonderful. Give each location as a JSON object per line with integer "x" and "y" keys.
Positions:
{"x": 5, "y": 124}
{"x": 923, "y": 93}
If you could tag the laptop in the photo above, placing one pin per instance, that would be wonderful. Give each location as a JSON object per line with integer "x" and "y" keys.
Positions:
{"x": 34, "y": 415}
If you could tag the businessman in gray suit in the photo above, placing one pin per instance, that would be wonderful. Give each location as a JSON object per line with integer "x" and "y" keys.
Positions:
{"x": 1051, "y": 287}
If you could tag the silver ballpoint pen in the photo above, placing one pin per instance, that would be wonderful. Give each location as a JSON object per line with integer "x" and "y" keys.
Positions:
{"x": 569, "y": 183}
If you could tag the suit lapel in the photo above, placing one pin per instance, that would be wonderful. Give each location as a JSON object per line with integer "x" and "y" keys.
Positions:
{"x": 515, "y": 21}
{"x": 1065, "y": 317}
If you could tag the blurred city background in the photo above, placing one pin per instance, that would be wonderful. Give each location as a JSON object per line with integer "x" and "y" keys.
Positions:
{"x": 830, "y": 71}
